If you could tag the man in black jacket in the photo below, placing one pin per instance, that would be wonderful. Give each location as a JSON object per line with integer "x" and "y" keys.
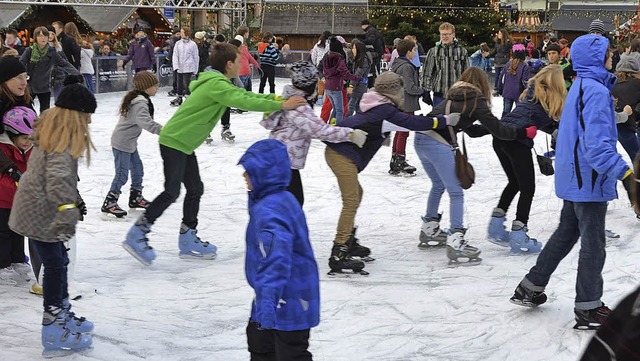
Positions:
{"x": 69, "y": 46}
{"x": 374, "y": 38}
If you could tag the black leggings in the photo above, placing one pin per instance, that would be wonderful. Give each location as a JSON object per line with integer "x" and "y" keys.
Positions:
{"x": 295, "y": 186}
{"x": 517, "y": 163}
{"x": 44, "y": 99}
{"x": 268, "y": 73}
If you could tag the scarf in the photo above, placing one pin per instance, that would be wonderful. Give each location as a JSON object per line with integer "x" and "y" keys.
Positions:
{"x": 37, "y": 54}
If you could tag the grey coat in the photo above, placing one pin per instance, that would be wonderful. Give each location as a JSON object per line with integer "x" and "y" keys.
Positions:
{"x": 40, "y": 72}
{"x": 49, "y": 182}
{"x": 125, "y": 135}
{"x": 411, "y": 78}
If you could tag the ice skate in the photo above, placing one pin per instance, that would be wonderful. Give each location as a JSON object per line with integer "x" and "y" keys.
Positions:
{"x": 358, "y": 250}
{"x": 430, "y": 233}
{"x": 407, "y": 169}
{"x": 172, "y": 93}
{"x": 459, "y": 251}
{"x": 521, "y": 243}
{"x": 110, "y": 208}
{"x": 57, "y": 339}
{"x": 209, "y": 140}
{"x": 398, "y": 166}
{"x": 136, "y": 200}
{"x": 176, "y": 102}
{"x": 237, "y": 111}
{"x": 341, "y": 260}
{"x": 527, "y": 298}
{"x": 137, "y": 244}
{"x": 75, "y": 324}
{"x": 497, "y": 233}
{"x": 226, "y": 134}
{"x": 192, "y": 247}
{"x": 591, "y": 319}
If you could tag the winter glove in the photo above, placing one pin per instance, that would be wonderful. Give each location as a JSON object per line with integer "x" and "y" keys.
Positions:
{"x": 14, "y": 173}
{"x": 426, "y": 98}
{"x": 82, "y": 207}
{"x": 64, "y": 224}
{"x": 453, "y": 119}
{"x": 531, "y": 132}
{"x": 358, "y": 137}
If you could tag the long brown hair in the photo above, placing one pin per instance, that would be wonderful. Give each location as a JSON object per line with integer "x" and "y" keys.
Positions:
{"x": 60, "y": 130}
{"x": 5, "y": 93}
{"x": 478, "y": 79}
{"x": 72, "y": 30}
{"x": 506, "y": 38}
{"x": 549, "y": 90}
{"x": 513, "y": 68}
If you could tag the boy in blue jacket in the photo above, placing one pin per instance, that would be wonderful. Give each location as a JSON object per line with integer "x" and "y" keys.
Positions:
{"x": 587, "y": 169}
{"x": 279, "y": 264}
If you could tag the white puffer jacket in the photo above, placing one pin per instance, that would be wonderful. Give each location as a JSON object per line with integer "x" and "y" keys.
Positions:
{"x": 185, "y": 57}
{"x": 86, "y": 66}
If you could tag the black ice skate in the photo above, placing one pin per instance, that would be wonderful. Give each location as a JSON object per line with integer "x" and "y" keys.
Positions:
{"x": 172, "y": 93}
{"x": 209, "y": 140}
{"x": 237, "y": 111}
{"x": 226, "y": 134}
{"x": 358, "y": 250}
{"x": 111, "y": 209}
{"x": 176, "y": 102}
{"x": 527, "y": 298}
{"x": 398, "y": 166}
{"x": 340, "y": 260}
{"x": 591, "y": 319}
{"x": 136, "y": 200}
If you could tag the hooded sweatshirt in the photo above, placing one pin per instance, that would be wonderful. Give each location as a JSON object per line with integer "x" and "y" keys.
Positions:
{"x": 211, "y": 94}
{"x": 125, "y": 135}
{"x": 279, "y": 263}
{"x": 295, "y": 128}
{"x": 8, "y": 186}
{"x": 587, "y": 161}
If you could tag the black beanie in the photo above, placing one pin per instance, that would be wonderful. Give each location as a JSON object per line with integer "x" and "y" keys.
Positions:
{"x": 77, "y": 97}
{"x": 10, "y": 67}
{"x": 335, "y": 45}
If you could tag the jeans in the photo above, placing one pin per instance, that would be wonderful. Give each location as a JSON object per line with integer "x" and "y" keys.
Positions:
{"x": 268, "y": 73}
{"x": 88, "y": 81}
{"x": 274, "y": 345}
{"x": 246, "y": 81}
{"x": 507, "y": 106}
{"x": 354, "y": 103}
{"x": 517, "y": 164}
{"x": 347, "y": 174}
{"x": 183, "y": 83}
{"x": 327, "y": 106}
{"x": 178, "y": 168}
{"x": 335, "y": 96}
{"x": 629, "y": 141}
{"x": 439, "y": 163}
{"x": 54, "y": 260}
{"x": 578, "y": 220}
{"x": 125, "y": 162}
{"x": 496, "y": 85}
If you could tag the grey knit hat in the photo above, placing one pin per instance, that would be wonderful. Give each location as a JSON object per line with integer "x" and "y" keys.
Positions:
{"x": 303, "y": 74}
{"x": 628, "y": 64}
{"x": 597, "y": 27}
{"x": 391, "y": 86}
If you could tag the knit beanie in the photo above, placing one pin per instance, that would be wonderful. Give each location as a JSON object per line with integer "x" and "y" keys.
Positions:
{"x": 10, "y": 67}
{"x": 220, "y": 38}
{"x": 597, "y": 27}
{"x": 628, "y": 64}
{"x": 75, "y": 96}
{"x": 335, "y": 45}
{"x": 304, "y": 76}
{"x": 144, "y": 80}
{"x": 390, "y": 85}
{"x": 554, "y": 47}
{"x": 199, "y": 35}
{"x": 519, "y": 51}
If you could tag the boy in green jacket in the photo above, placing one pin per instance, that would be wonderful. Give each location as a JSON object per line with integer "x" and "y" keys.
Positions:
{"x": 211, "y": 94}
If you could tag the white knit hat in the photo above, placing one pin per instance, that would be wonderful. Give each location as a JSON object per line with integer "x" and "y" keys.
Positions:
{"x": 240, "y": 38}
{"x": 199, "y": 35}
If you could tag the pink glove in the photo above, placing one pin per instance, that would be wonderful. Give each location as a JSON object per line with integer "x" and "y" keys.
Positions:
{"x": 531, "y": 132}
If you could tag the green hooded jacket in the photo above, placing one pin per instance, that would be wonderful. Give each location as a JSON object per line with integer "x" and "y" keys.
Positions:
{"x": 210, "y": 96}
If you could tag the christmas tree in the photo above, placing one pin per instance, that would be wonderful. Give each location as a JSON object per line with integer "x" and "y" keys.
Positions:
{"x": 475, "y": 21}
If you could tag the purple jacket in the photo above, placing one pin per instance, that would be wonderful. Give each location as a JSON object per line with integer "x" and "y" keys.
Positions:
{"x": 335, "y": 72}
{"x": 141, "y": 53}
{"x": 514, "y": 85}
{"x": 376, "y": 109}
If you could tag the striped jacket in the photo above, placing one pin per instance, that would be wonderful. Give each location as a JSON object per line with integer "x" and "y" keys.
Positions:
{"x": 443, "y": 67}
{"x": 269, "y": 55}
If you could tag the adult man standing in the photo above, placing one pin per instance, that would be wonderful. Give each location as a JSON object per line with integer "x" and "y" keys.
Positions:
{"x": 444, "y": 64}
{"x": 69, "y": 46}
{"x": 373, "y": 37}
{"x": 141, "y": 52}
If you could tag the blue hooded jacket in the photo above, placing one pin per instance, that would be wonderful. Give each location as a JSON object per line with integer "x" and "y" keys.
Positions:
{"x": 587, "y": 162}
{"x": 279, "y": 265}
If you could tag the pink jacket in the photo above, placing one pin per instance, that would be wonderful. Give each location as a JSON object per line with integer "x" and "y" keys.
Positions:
{"x": 245, "y": 59}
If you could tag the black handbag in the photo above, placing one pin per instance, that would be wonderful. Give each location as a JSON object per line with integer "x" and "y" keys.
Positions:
{"x": 545, "y": 163}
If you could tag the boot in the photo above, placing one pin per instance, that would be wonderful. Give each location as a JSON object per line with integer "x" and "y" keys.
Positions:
{"x": 523, "y": 296}
{"x": 430, "y": 233}
{"x": 57, "y": 339}
{"x": 111, "y": 207}
{"x": 356, "y": 249}
{"x": 136, "y": 200}
{"x": 497, "y": 232}
{"x": 75, "y": 324}
{"x": 458, "y": 249}
{"x": 191, "y": 246}
{"x": 341, "y": 259}
{"x": 591, "y": 319}
{"x": 406, "y": 167}
{"x": 520, "y": 241}
{"x": 226, "y": 134}
{"x": 137, "y": 244}
{"x": 395, "y": 165}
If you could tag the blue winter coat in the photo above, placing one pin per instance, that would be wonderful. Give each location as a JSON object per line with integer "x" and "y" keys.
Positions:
{"x": 279, "y": 265}
{"x": 587, "y": 162}
{"x": 529, "y": 112}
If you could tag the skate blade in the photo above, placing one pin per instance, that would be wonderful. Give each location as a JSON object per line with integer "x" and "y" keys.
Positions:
{"x": 523, "y": 303}
{"x": 611, "y": 234}
{"x": 135, "y": 255}
{"x": 365, "y": 259}
{"x": 112, "y": 218}
{"x": 524, "y": 252}
{"x": 499, "y": 242}
{"x": 434, "y": 244}
{"x": 197, "y": 256}
{"x": 342, "y": 274}
{"x": 586, "y": 327}
{"x": 138, "y": 211}
{"x": 469, "y": 262}
{"x": 64, "y": 352}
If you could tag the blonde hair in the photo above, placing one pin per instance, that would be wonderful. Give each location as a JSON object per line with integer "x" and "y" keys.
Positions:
{"x": 549, "y": 90}
{"x": 623, "y": 76}
{"x": 447, "y": 26}
{"x": 55, "y": 42}
{"x": 60, "y": 130}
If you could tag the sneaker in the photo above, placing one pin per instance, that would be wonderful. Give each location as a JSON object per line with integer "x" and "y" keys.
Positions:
{"x": 497, "y": 232}
{"x": 525, "y": 297}
{"x": 137, "y": 244}
{"x": 191, "y": 246}
{"x": 57, "y": 339}
{"x": 9, "y": 277}
{"x": 591, "y": 319}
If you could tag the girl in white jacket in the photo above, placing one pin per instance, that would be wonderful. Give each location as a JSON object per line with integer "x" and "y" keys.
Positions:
{"x": 86, "y": 65}
{"x": 295, "y": 128}
{"x": 185, "y": 62}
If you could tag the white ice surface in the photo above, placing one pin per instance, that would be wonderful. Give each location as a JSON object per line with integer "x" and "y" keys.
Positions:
{"x": 412, "y": 306}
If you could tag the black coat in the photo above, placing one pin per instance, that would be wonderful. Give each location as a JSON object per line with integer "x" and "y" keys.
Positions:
{"x": 71, "y": 49}
{"x": 628, "y": 93}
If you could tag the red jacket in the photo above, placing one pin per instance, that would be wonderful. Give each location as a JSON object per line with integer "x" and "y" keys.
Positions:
{"x": 245, "y": 59}
{"x": 7, "y": 184}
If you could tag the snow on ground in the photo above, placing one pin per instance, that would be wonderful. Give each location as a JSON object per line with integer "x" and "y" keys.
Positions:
{"x": 412, "y": 306}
